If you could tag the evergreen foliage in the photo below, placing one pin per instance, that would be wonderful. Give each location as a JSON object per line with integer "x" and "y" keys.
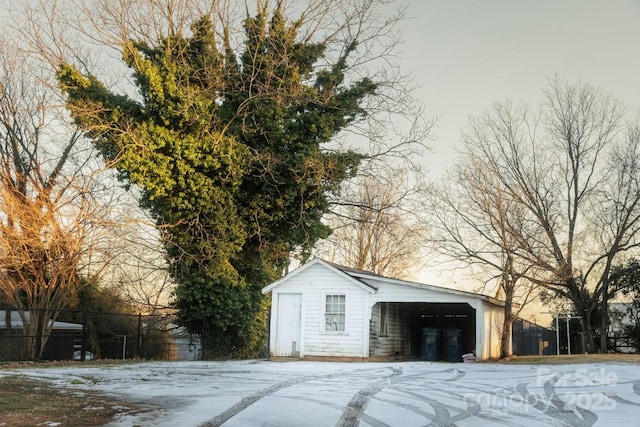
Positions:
{"x": 227, "y": 148}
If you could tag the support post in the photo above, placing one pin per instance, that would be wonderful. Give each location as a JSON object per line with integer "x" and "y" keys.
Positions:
{"x": 568, "y": 336}
{"x": 138, "y": 341}
{"x": 83, "y": 344}
{"x": 557, "y": 335}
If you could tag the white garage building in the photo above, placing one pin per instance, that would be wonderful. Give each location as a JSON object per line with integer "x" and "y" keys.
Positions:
{"x": 326, "y": 310}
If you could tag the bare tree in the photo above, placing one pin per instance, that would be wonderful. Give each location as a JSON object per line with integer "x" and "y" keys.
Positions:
{"x": 615, "y": 216}
{"x": 51, "y": 221}
{"x": 377, "y": 226}
{"x": 578, "y": 196}
{"x": 139, "y": 270}
{"x": 472, "y": 221}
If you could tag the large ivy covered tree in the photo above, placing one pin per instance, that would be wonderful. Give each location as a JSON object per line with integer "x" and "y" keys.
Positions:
{"x": 227, "y": 146}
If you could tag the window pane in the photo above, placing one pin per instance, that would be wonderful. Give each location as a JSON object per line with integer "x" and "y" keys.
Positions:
{"x": 340, "y": 322}
{"x": 335, "y": 313}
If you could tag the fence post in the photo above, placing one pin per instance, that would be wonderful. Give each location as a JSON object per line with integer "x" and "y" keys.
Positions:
{"x": 83, "y": 344}
{"x": 139, "y": 338}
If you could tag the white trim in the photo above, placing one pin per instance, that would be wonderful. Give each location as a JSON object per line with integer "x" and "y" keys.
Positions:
{"x": 323, "y": 313}
{"x": 366, "y": 330}
{"x": 480, "y": 341}
{"x": 303, "y": 324}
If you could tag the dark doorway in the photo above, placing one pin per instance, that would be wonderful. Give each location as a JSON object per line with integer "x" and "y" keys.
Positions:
{"x": 455, "y": 321}
{"x": 420, "y": 330}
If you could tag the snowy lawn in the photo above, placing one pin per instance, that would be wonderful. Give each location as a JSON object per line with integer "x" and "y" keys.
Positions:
{"x": 264, "y": 393}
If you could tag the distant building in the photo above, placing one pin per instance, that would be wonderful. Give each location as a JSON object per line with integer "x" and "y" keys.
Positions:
{"x": 530, "y": 339}
{"x": 187, "y": 346}
{"x": 60, "y": 345}
{"x": 620, "y": 316}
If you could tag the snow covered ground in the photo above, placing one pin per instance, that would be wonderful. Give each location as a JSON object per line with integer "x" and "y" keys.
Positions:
{"x": 263, "y": 393}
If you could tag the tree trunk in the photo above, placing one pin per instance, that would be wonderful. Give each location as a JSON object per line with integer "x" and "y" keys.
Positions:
{"x": 604, "y": 316}
{"x": 505, "y": 337}
{"x": 587, "y": 333}
{"x": 36, "y": 331}
{"x": 583, "y": 306}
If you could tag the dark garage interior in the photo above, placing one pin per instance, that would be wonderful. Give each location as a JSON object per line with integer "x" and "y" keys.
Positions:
{"x": 428, "y": 331}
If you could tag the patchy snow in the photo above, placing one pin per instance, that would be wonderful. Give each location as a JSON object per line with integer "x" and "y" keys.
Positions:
{"x": 263, "y": 393}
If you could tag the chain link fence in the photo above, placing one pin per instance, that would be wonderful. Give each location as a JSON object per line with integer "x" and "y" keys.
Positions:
{"x": 87, "y": 335}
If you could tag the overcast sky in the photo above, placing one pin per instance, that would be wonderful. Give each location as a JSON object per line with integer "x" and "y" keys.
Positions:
{"x": 467, "y": 54}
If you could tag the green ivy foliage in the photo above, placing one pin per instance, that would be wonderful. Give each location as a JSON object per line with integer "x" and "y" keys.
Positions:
{"x": 227, "y": 148}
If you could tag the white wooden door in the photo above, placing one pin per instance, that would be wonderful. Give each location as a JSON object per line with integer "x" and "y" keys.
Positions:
{"x": 288, "y": 325}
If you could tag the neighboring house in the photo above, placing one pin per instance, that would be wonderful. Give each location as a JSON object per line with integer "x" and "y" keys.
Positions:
{"x": 325, "y": 310}
{"x": 621, "y": 315}
{"x": 60, "y": 344}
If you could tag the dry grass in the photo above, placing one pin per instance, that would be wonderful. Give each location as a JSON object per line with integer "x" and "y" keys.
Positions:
{"x": 575, "y": 358}
{"x": 28, "y": 402}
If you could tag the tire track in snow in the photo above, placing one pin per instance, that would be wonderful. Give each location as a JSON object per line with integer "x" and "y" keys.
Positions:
{"x": 557, "y": 408}
{"x": 442, "y": 410}
{"x": 441, "y": 415}
{"x": 355, "y": 408}
{"x": 586, "y": 419}
{"x": 250, "y": 400}
{"x": 340, "y": 408}
{"x": 353, "y": 412}
{"x": 636, "y": 390}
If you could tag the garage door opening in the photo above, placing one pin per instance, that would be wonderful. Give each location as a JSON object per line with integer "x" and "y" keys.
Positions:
{"x": 427, "y": 331}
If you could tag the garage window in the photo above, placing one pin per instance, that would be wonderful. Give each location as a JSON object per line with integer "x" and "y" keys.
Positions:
{"x": 335, "y": 313}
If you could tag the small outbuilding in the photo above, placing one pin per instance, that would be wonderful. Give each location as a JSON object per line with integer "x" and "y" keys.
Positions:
{"x": 61, "y": 343}
{"x": 326, "y": 310}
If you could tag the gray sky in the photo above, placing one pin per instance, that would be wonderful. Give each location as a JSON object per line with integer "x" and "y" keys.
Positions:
{"x": 467, "y": 54}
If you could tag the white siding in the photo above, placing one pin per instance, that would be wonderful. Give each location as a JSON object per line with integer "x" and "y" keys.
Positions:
{"x": 397, "y": 340}
{"x": 492, "y": 319}
{"x": 401, "y": 293}
{"x": 315, "y": 283}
